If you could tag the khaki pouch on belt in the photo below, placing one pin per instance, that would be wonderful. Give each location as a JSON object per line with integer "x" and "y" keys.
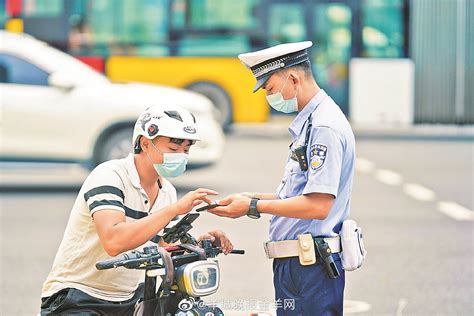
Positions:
{"x": 306, "y": 251}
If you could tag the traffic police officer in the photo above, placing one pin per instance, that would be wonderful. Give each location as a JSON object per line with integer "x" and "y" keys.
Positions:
{"x": 314, "y": 196}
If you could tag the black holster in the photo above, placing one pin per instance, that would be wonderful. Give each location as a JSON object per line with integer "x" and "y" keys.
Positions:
{"x": 325, "y": 256}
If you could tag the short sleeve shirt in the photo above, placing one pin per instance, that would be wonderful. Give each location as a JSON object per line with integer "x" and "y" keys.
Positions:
{"x": 330, "y": 155}
{"x": 113, "y": 185}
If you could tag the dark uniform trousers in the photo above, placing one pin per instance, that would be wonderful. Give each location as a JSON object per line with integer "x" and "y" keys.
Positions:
{"x": 72, "y": 301}
{"x": 307, "y": 290}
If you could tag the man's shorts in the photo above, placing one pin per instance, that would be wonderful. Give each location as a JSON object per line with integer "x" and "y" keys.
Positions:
{"x": 73, "y": 301}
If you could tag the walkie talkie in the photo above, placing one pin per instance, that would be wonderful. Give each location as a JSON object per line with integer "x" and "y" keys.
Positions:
{"x": 325, "y": 254}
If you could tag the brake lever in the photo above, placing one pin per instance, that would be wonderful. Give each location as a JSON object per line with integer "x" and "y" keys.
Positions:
{"x": 143, "y": 263}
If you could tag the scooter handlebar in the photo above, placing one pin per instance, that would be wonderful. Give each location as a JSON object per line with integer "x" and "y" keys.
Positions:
{"x": 110, "y": 263}
{"x": 135, "y": 259}
{"x": 132, "y": 258}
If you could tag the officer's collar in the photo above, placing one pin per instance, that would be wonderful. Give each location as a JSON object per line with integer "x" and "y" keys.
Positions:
{"x": 302, "y": 117}
{"x": 133, "y": 173}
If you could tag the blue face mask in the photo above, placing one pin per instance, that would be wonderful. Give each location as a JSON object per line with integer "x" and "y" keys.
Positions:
{"x": 277, "y": 101}
{"x": 174, "y": 164}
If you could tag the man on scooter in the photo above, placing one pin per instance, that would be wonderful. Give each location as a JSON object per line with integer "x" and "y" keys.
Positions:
{"x": 122, "y": 205}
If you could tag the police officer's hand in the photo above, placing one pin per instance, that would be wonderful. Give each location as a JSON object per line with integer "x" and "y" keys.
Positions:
{"x": 233, "y": 206}
{"x": 219, "y": 239}
{"x": 249, "y": 194}
{"x": 194, "y": 198}
{"x": 259, "y": 195}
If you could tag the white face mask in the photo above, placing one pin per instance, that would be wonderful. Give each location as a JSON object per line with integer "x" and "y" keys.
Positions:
{"x": 277, "y": 101}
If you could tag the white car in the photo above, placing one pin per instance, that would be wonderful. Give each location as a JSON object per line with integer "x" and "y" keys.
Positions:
{"x": 55, "y": 108}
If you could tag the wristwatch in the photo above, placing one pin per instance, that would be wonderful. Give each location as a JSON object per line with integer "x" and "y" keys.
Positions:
{"x": 253, "y": 213}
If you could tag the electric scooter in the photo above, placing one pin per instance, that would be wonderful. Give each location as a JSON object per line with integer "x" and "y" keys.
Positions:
{"x": 189, "y": 271}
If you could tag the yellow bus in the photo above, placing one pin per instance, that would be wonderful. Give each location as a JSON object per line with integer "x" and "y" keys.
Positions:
{"x": 193, "y": 44}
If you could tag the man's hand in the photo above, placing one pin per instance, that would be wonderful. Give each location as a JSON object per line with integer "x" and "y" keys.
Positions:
{"x": 219, "y": 239}
{"x": 233, "y": 206}
{"x": 192, "y": 199}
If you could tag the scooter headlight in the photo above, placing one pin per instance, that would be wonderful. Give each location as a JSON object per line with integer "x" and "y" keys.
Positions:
{"x": 198, "y": 278}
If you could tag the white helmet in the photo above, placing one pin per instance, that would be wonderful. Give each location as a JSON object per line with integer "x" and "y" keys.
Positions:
{"x": 173, "y": 122}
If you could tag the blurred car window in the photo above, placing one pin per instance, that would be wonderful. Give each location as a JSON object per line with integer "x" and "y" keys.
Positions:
{"x": 18, "y": 71}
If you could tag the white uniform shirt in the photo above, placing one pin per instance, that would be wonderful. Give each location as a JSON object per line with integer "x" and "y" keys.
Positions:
{"x": 331, "y": 159}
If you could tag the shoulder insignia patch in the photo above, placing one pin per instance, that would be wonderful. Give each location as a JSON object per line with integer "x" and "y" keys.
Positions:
{"x": 318, "y": 156}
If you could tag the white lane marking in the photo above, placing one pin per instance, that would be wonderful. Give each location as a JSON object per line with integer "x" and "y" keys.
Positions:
{"x": 402, "y": 303}
{"x": 416, "y": 191}
{"x": 353, "y": 307}
{"x": 363, "y": 165}
{"x": 419, "y": 192}
{"x": 388, "y": 177}
{"x": 456, "y": 211}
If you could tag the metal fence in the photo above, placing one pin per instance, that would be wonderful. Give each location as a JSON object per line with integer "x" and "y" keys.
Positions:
{"x": 442, "y": 47}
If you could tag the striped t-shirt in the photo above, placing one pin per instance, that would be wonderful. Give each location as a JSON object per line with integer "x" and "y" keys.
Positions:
{"x": 113, "y": 185}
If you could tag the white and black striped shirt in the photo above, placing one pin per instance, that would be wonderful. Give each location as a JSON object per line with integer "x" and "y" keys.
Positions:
{"x": 113, "y": 185}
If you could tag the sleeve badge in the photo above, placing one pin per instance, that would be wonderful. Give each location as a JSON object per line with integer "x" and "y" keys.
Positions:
{"x": 318, "y": 156}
